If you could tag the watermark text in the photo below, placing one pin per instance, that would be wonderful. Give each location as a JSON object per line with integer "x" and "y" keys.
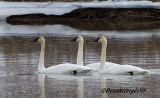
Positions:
{"x": 123, "y": 90}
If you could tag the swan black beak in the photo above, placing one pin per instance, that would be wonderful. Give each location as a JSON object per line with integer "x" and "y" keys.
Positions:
{"x": 74, "y": 39}
{"x": 35, "y": 40}
{"x": 96, "y": 40}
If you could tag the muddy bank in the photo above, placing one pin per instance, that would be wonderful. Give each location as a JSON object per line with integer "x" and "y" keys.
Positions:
{"x": 96, "y": 18}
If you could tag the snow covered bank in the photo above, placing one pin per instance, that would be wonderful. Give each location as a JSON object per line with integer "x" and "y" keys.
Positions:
{"x": 60, "y": 8}
{"x": 98, "y": 16}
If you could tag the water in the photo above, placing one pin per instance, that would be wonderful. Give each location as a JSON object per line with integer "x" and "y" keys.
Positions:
{"x": 19, "y": 60}
{"x": 71, "y": 0}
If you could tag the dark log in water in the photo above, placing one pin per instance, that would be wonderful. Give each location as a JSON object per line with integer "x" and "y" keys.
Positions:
{"x": 104, "y": 18}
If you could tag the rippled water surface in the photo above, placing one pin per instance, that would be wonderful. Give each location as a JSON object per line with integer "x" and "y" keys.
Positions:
{"x": 19, "y": 61}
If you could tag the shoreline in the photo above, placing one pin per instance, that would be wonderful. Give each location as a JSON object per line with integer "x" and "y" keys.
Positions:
{"x": 105, "y": 18}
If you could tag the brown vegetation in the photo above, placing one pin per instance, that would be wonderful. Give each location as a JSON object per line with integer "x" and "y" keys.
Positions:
{"x": 128, "y": 18}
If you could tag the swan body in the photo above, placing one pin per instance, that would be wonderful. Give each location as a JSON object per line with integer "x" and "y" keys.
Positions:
{"x": 66, "y": 68}
{"x": 112, "y": 68}
{"x": 60, "y": 68}
{"x": 124, "y": 70}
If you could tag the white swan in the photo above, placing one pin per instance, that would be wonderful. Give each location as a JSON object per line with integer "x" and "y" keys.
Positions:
{"x": 60, "y": 68}
{"x": 79, "y": 39}
{"x": 111, "y": 68}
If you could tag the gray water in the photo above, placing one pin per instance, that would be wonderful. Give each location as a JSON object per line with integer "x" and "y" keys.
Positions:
{"x": 19, "y": 60}
{"x": 71, "y": 0}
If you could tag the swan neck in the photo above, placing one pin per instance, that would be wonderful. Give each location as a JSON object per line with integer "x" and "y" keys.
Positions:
{"x": 80, "y": 53}
{"x": 41, "y": 67}
{"x": 103, "y": 55}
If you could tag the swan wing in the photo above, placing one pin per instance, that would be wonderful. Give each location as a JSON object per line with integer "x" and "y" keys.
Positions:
{"x": 68, "y": 68}
{"x": 96, "y": 65}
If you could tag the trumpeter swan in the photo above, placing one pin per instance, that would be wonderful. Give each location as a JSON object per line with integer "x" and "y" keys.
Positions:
{"x": 60, "y": 68}
{"x": 79, "y": 39}
{"x": 115, "y": 68}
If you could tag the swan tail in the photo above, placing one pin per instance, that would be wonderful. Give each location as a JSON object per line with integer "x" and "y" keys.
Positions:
{"x": 84, "y": 70}
{"x": 139, "y": 72}
{"x": 145, "y": 71}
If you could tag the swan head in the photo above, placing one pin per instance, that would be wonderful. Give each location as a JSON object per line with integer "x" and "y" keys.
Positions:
{"x": 39, "y": 39}
{"x": 78, "y": 38}
{"x": 101, "y": 39}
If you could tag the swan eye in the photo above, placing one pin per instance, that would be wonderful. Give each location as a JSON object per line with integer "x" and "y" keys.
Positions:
{"x": 74, "y": 39}
{"x": 35, "y": 40}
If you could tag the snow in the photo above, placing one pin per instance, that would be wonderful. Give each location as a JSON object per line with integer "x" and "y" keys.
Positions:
{"x": 19, "y": 8}
{"x": 60, "y": 8}
{"x": 111, "y": 4}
